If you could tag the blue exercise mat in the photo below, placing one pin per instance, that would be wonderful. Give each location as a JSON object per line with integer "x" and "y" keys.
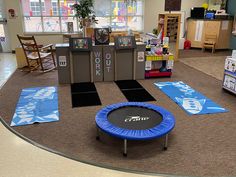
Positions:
{"x": 36, "y": 105}
{"x": 188, "y": 99}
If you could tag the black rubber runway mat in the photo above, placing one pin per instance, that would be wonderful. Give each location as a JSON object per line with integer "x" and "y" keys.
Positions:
{"x": 83, "y": 87}
{"x": 140, "y": 95}
{"x": 84, "y": 94}
{"x": 128, "y": 84}
{"x": 133, "y": 91}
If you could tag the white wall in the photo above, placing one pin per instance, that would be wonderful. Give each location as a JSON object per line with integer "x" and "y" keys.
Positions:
{"x": 155, "y": 7}
{"x": 152, "y": 9}
{"x": 14, "y": 25}
{"x": 5, "y": 46}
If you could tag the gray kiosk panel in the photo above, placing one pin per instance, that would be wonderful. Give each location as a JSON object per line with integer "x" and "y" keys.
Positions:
{"x": 124, "y": 64}
{"x": 63, "y": 63}
{"x": 108, "y": 62}
{"x": 124, "y": 58}
{"x": 81, "y": 67}
{"x": 97, "y": 57}
{"x": 140, "y": 61}
{"x": 81, "y": 59}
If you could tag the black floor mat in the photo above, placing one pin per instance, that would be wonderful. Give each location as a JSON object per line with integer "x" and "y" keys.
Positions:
{"x": 140, "y": 95}
{"x": 134, "y": 92}
{"x": 84, "y": 94}
{"x": 128, "y": 84}
{"x": 83, "y": 87}
{"x": 85, "y": 99}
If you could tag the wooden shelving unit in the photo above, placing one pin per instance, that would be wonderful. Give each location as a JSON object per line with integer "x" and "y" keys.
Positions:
{"x": 159, "y": 65}
{"x": 172, "y": 28}
{"x": 170, "y": 23}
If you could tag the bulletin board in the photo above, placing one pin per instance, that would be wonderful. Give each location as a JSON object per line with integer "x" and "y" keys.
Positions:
{"x": 172, "y": 5}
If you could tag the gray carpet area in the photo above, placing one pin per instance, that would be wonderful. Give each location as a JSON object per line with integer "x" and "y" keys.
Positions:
{"x": 199, "y": 145}
{"x": 212, "y": 65}
{"x": 198, "y": 53}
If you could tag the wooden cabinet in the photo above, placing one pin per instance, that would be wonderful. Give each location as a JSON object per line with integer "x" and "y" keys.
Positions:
{"x": 196, "y": 30}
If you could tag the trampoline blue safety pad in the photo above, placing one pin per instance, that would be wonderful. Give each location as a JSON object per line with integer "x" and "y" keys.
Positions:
{"x": 36, "y": 105}
{"x": 135, "y": 120}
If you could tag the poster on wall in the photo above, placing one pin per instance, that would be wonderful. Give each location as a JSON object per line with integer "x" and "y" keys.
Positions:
{"x": 12, "y": 13}
{"x": 140, "y": 56}
{"x": 62, "y": 61}
{"x": 2, "y": 39}
{"x": 170, "y": 64}
{"x": 225, "y": 25}
{"x": 148, "y": 65}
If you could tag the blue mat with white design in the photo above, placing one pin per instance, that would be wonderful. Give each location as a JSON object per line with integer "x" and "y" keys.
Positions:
{"x": 36, "y": 105}
{"x": 188, "y": 99}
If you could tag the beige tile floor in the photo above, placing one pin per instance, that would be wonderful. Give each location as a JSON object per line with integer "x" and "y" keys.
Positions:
{"x": 7, "y": 66}
{"x": 19, "y": 158}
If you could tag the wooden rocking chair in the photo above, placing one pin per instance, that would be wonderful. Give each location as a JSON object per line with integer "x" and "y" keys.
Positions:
{"x": 37, "y": 56}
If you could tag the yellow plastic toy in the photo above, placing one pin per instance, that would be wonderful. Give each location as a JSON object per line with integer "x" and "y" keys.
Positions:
{"x": 205, "y": 6}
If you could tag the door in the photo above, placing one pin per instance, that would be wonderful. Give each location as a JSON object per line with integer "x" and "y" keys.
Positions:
{"x": 4, "y": 38}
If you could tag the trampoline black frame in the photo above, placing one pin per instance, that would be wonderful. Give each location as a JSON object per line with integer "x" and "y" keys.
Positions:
{"x": 165, "y": 146}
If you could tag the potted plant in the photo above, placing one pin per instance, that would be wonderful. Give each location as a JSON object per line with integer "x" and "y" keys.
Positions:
{"x": 85, "y": 13}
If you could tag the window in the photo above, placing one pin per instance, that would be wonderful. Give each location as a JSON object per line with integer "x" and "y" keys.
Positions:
{"x": 54, "y": 8}
{"x": 119, "y": 15}
{"x": 35, "y": 7}
{"x": 48, "y": 15}
{"x": 53, "y": 15}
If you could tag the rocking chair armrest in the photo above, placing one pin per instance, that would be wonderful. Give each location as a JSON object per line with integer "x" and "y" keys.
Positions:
{"x": 47, "y": 46}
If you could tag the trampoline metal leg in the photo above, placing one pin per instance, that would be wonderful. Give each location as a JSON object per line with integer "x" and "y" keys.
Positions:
{"x": 98, "y": 132}
{"x": 125, "y": 148}
{"x": 166, "y": 142}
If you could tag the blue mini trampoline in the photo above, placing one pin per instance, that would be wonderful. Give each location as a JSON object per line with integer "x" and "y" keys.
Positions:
{"x": 135, "y": 121}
